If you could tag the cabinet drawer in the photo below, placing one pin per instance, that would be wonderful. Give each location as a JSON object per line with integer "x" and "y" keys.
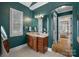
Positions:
{"x": 30, "y": 41}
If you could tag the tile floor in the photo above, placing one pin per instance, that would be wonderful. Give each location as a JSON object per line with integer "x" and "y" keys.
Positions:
{"x": 28, "y": 52}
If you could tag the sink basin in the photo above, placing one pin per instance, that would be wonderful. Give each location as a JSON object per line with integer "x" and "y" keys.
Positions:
{"x": 36, "y": 34}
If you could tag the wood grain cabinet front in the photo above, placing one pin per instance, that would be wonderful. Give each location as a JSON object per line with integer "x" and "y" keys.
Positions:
{"x": 35, "y": 43}
{"x": 38, "y": 44}
{"x": 30, "y": 42}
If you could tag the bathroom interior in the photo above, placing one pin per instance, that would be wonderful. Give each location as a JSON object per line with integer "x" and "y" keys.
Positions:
{"x": 41, "y": 31}
{"x": 63, "y": 30}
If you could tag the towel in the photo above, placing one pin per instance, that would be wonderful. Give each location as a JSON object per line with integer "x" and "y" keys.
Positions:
{"x": 4, "y": 40}
{"x": 6, "y": 45}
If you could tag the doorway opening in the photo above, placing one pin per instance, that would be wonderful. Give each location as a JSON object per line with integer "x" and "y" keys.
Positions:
{"x": 62, "y": 30}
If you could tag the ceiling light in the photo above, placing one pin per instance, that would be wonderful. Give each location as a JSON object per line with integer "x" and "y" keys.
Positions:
{"x": 39, "y": 16}
{"x": 63, "y": 6}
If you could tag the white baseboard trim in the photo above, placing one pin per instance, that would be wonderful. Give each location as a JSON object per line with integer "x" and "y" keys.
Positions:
{"x": 18, "y": 47}
{"x": 50, "y": 49}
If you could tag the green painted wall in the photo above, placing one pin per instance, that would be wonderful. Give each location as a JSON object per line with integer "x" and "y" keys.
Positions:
{"x": 78, "y": 16}
{"x": 75, "y": 43}
{"x": 50, "y": 37}
{"x": 34, "y": 24}
{"x": 50, "y": 32}
{"x": 19, "y": 40}
{"x": 78, "y": 29}
{"x": 0, "y": 29}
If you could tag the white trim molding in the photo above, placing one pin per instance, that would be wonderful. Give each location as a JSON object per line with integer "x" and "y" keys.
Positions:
{"x": 50, "y": 49}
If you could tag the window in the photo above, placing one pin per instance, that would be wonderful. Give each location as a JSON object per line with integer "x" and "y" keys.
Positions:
{"x": 16, "y": 22}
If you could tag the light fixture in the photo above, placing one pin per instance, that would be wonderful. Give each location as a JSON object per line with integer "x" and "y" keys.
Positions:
{"x": 39, "y": 16}
{"x": 27, "y": 19}
{"x": 63, "y": 6}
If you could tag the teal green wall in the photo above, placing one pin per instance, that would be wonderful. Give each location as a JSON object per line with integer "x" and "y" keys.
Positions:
{"x": 50, "y": 37}
{"x": 78, "y": 29}
{"x": 78, "y": 17}
{"x": 0, "y": 29}
{"x": 19, "y": 40}
{"x": 0, "y": 36}
{"x": 75, "y": 43}
{"x": 34, "y": 24}
{"x": 50, "y": 32}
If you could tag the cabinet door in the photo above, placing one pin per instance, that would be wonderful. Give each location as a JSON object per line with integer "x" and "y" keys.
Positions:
{"x": 35, "y": 43}
{"x": 30, "y": 41}
{"x": 40, "y": 45}
{"x": 45, "y": 44}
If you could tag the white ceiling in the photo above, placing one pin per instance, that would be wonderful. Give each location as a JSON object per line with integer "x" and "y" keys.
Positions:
{"x": 64, "y": 9}
{"x": 39, "y": 4}
{"x": 26, "y": 3}
{"x": 35, "y": 6}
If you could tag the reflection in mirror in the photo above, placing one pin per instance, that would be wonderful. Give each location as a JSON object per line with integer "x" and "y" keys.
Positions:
{"x": 40, "y": 25}
{"x": 45, "y": 24}
{"x": 39, "y": 18}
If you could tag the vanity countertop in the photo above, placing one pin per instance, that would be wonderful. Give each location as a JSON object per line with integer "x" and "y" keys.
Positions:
{"x": 36, "y": 34}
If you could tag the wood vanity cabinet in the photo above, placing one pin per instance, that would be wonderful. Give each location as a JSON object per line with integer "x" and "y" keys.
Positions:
{"x": 38, "y": 44}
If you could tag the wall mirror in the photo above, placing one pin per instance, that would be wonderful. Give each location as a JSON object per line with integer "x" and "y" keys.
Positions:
{"x": 45, "y": 24}
{"x": 40, "y": 25}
